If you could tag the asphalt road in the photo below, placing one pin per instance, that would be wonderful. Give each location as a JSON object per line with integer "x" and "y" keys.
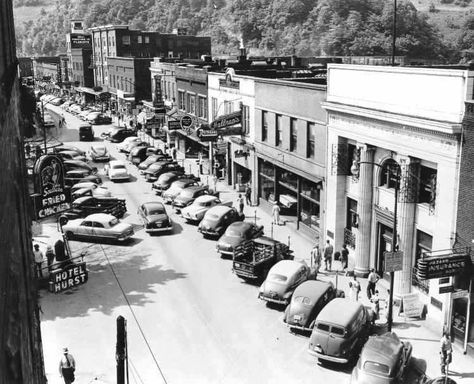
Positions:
{"x": 187, "y": 314}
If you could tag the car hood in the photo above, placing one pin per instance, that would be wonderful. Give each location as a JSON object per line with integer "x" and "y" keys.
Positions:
{"x": 270, "y": 286}
{"x": 194, "y": 209}
{"x": 360, "y": 377}
{"x": 156, "y": 218}
{"x": 229, "y": 241}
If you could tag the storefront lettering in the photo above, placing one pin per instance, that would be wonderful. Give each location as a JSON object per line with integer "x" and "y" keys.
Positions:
{"x": 432, "y": 268}
{"x": 72, "y": 276}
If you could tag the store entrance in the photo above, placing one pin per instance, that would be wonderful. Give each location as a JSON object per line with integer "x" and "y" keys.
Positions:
{"x": 384, "y": 245}
{"x": 242, "y": 176}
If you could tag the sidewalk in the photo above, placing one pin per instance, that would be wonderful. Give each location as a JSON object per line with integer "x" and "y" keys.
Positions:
{"x": 424, "y": 335}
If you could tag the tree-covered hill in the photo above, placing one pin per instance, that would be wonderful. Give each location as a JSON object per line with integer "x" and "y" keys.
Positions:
{"x": 302, "y": 27}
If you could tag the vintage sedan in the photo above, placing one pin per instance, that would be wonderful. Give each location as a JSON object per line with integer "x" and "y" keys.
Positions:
{"x": 151, "y": 159}
{"x": 164, "y": 181}
{"x": 96, "y": 117}
{"x": 157, "y": 169}
{"x": 123, "y": 146}
{"x": 63, "y": 147}
{"x": 154, "y": 217}
{"x": 282, "y": 280}
{"x": 307, "y": 301}
{"x": 383, "y": 360}
{"x": 235, "y": 234}
{"x": 188, "y": 195}
{"x": 138, "y": 154}
{"x": 70, "y": 165}
{"x": 71, "y": 155}
{"x": 217, "y": 219}
{"x": 118, "y": 134}
{"x": 98, "y": 225}
{"x": 89, "y": 189}
{"x": 116, "y": 170}
{"x": 176, "y": 187}
{"x": 195, "y": 212}
{"x": 99, "y": 152}
{"x": 75, "y": 176}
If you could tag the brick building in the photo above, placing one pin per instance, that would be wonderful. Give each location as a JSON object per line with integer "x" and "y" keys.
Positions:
{"x": 79, "y": 53}
{"x": 21, "y": 359}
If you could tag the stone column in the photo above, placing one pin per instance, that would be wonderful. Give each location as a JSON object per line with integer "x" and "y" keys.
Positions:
{"x": 364, "y": 210}
{"x": 407, "y": 198}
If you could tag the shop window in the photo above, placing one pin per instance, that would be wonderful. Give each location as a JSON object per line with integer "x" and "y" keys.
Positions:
{"x": 310, "y": 134}
{"x": 288, "y": 178}
{"x": 278, "y": 128}
{"x": 352, "y": 220}
{"x": 126, "y": 40}
{"x": 264, "y": 125}
{"x": 293, "y": 135}
{"x": 267, "y": 169}
{"x": 427, "y": 191}
{"x": 310, "y": 211}
{"x": 424, "y": 243}
{"x": 266, "y": 180}
{"x": 388, "y": 177}
{"x": 191, "y": 103}
{"x": 311, "y": 189}
{"x": 214, "y": 107}
{"x": 202, "y": 107}
{"x": 245, "y": 119}
{"x": 181, "y": 101}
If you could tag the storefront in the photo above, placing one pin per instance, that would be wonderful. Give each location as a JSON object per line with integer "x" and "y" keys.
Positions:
{"x": 297, "y": 195}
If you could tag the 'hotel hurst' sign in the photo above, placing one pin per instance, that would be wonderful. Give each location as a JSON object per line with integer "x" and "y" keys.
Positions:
{"x": 68, "y": 277}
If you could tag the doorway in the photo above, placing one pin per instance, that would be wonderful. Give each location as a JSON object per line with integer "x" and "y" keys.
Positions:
{"x": 384, "y": 237}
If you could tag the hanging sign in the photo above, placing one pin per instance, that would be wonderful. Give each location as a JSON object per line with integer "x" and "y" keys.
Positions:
{"x": 227, "y": 120}
{"x": 174, "y": 125}
{"x": 186, "y": 121}
{"x": 207, "y": 134}
{"x": 443, "y": 266}
{"x": 71, "y": 276}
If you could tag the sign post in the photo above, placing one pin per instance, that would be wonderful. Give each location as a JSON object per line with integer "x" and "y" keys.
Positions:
{"x": 393, "y": 261}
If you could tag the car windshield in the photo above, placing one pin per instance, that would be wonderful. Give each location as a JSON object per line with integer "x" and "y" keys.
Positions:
{"x": 113, "y": 222}
{"x": 118, "y": 166}
{"x": 201, "y": 203}
{"x": 376, "y": 368}
{"x": 303, "y": 300}
{"x": 337, "y": 331}
{"x": 186, "y": 193}
{"x": 277, "y": 278}
{"x": 233, "y": 233}
{"x": 156, "y": 210}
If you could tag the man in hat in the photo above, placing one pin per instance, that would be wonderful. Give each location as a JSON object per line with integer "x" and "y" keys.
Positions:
{"x": 67, "y": 366}
{"x": 39, "y": 257}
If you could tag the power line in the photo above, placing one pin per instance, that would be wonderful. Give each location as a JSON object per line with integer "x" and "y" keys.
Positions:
{"x": 135, "y": 369}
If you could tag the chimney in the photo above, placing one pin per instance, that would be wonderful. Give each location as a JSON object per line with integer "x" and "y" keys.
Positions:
{"x": 242, "y": 51}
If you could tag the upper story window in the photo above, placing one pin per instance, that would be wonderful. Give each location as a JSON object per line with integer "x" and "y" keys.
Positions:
{"x": 147, "y": 39}
{"x": 191, "y": 104}
{"x": 214, "y": 107}
{"x": 310, "y": 134}
{"x": 139, "y": 39}
{"x": 264, "y": 125}
{"x": 245, "y": 119}
{"x": 202, "y": 107}
{"x": 278, "y": 128}
{"x": 293, "y": 135}
{"x": 126, "y": 40}
{"x": 427, "y": 186}
{"x": 389, "y": 177}
{"x": 228, "y": 107}
{"x": 181, "y": 101}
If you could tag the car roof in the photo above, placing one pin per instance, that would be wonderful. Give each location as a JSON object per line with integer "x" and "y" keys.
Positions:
{"x": 286, "y": 267}
{"x": 100, "y": 217}
{"x": 242, "y": 226}
{"x": 219, "y": 210}
{"x": 182, "y": 182}
{"x": 382, "y": 349}
{"x": 154, "y": 204}
{"x": 313, "y": 289}
{"x": 340, "y": 311}
{"x": 195, "y": 187}
{"x": 116, "y": 162}
{"x": 205, "y": 198}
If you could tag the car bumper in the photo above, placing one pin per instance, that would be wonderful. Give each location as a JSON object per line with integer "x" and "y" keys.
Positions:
{"x": 273, "y": 300}
{"x": 127, "y": 177}
{"x": 225, "y": 251}
{"x": 208, "y": 233}
{"x": 190, "y": 218}
{"x": 157, "y": 230}
{"x": 150, "y": 178}
{"x": 322, "y": 356}
{"x": 298, "y": 326}
{"x": 125, "y": 237}
{"x": 245, "y": 274}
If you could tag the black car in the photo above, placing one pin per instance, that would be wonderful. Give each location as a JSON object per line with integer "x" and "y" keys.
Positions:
{"x": 118, "y": 134}
{"x": 156, "y": 169}
{"x": 77, "y": 175}
{"x": 235, "y": 234}
{"x": 98, "y": 118}
{"x": 138, "y": 154}
{"x": 86, "y": 132}
{"x": 70, "y": 165}
{"x": 154, "y": 217}
{"x": 188, "y": 195}
{"x": 165, "y": 180}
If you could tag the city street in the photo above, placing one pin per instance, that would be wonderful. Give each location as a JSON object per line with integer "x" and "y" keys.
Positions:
{"x": 187, "y": 314}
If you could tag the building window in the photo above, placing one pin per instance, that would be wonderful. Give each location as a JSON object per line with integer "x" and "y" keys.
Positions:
{"x": 388, "y": 177}
{"x": 202, "y": 108}
{"x": 310, "y": 134}
{"x": 266, "y": 180}
{"x": 113, "y": 40}
{"x": 139, "y": 39}
{"x": 278, "y": 128}
{"x": 181, "y": 101}
{"x": 126, "y": 40}
{"x": 293, "y": 135}
{"x": 214, "y": 107}
{"x": 147, "y": 39}
{"x": 264, "y": 125}
{"x": 424, "y": 243}
{"x": 228, "y": 107}
{"x": 310, "y": 198}
{"x": 352, "y": 218}
{"x": 245, "y": 119}
{"x": 427, "y": 191}
{"x": 191, "y": 104}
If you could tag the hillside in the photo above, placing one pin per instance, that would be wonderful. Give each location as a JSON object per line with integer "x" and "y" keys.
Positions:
{"x": 426, "y": 28}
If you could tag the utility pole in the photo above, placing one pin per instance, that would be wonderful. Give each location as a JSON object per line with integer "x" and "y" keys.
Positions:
{"x": 43, "y": 128}
{"x": 121, "y": 350}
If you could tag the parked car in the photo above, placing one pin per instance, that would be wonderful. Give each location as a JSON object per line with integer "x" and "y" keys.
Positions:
{"x": 151, "y": 159}
{"x": 383, "y": 360}
{"x": 307, "y": 301}
{"x": 282, "y": 280}
{"x": 96, "y": 117}
{"x": 89, "y": 189}
{"x": 139, "y": 154}
{"x": 340, "y": 330}
{"x": 437, "y": 380}
{"x": 75, "y": 175}
{"x": 188, "y": 195}
{"x": 118, "y": 134}
{"x": 86, "y": 132}
{"x": 64, "y": 147}
{"x": 71, "y": 155}
{"x": 91, "y": 178}
{"x": 154, "y": 217}
{"x": 99, "y": 152}
{"x": 69, "y": 165}
{"x": 157, "y": 169}
{"x": 235, "y": 234}
{"x": 217, "y": 219}
{"x": 117, "y": 170}
{"x": 123, "y": 146}
{"x": 97, "y": 225}
{"x": 87, "y": 205}
{"x": 76, "y": 109}
{"x": 176, "y": 187}
{"x": 66, "y": 104}
{"x": 56, "y": 101}
{"x": 196, "y": 211}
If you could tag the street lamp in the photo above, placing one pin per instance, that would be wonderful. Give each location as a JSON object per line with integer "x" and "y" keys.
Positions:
{"x": 355, "y": 171}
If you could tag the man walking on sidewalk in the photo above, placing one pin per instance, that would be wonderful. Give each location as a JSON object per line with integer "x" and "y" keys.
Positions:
{"x": 328, "y": 250}
{"x": 446, "y": 352}
{"x": 39, "y": 257}
{"x": 67, "y": 366}
{"x": 316, "y": 257}
{"x": 371, "y": 281}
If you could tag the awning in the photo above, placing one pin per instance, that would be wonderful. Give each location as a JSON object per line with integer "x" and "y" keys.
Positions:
{"x": 90, "y": 91}
{"x": 193, "y": 136}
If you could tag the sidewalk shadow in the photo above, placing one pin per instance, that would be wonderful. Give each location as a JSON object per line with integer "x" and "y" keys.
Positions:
{"x": 461, "y": 375}
{"x": 405, "y": 325}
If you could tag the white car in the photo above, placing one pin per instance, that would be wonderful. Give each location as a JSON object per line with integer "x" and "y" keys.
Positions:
{"x": 196, "y": 211}
{"x": 48, "y": 121}
{"x": 117, "y": 170}
{"x": 123, "y": 146}
{"x": 98, "y": 225}
{"x": 89, "y": 189}
{"x": 99, "y": 152}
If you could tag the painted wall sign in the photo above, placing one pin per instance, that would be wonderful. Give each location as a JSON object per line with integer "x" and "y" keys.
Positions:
{"x": 68, "y": 277}
{"x": 227, "y": 120}
{"x": 444, "y": 266}
{"x": 81, "y": 41}
{"x": 51, "y": 196}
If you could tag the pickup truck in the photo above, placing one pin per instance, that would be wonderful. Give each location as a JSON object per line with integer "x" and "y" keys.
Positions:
{"x": 252, "y": 259}
{"x": 87, "y": 205}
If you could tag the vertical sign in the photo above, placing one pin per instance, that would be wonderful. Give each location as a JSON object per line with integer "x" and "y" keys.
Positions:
{"x": 158, "y": 94}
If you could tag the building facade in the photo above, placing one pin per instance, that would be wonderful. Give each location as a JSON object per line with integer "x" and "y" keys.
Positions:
{"x": 79, "y": 53}
{"x": 394, "y": 137}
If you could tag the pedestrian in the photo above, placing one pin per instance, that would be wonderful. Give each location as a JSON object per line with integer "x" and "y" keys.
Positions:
{"x": 344, "y": 256}
{"x": 354, "y": 289}
{"x": 446, "y": 352}
{"x": 248, "y": 194}
{"x": 173, "y": 153}
{"x": 27, "y": 150}
{"x": 240, "y": 201}
{"x": 50, "y": 257}
{"x": 67, "y": 367}
{"x": 376, "y": 304}
{"x": 276, "y": 213}
{"x": 371, "y": 281}
{"x": 214, "y": 180}
{"x": 328, "y": 250}
{"x": 316, "y": 257}
{"x": 39, "y": 257}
